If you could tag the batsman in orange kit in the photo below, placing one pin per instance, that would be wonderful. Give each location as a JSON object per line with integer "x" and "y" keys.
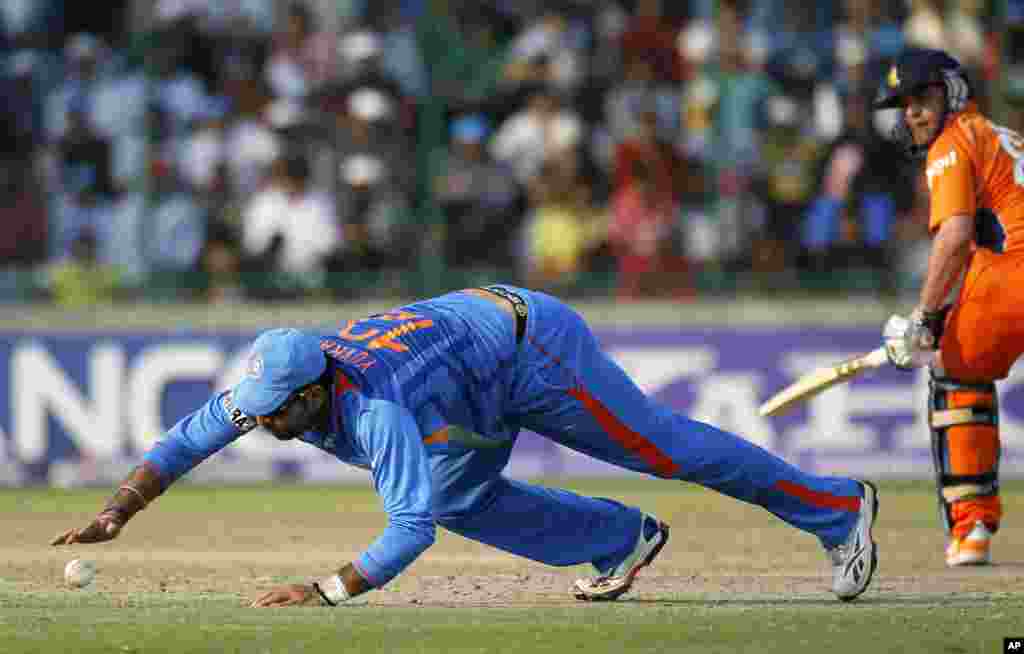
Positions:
{"x": 975, "y": 175}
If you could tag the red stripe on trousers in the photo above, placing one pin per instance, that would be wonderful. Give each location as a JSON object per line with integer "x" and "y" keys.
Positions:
{"x": 663, "y": 465}
{"x": 822, "y": 500}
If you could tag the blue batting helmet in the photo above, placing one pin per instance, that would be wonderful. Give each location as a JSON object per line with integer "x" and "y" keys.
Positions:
{"x": 912, "y": 72}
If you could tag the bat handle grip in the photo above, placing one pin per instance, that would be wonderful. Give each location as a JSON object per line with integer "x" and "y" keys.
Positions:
{"x": 877, "y": 358}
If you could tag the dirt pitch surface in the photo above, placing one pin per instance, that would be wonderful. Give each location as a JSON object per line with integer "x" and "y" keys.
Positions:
{"x": 719, "y": 551}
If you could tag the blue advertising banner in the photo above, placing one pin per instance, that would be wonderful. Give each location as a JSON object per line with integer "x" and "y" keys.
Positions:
{"x": 80, "y": 408}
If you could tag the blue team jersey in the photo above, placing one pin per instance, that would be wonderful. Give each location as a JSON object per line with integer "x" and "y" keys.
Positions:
{"x": 446, "y": 360}
{"x": 429, "y": 374}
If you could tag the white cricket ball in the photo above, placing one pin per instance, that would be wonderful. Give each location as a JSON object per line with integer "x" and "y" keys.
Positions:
{"x": 79, "y": 573}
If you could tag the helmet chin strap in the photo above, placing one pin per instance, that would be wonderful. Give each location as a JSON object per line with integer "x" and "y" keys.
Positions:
{"x": 902, "y": 134}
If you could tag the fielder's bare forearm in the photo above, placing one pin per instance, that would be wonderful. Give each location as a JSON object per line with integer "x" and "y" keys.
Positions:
{"x": 951, "y": 250}
{"x": 139, "y": 488}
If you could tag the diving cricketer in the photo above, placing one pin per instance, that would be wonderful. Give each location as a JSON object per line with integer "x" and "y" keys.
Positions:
{"x": 430, "y": 398}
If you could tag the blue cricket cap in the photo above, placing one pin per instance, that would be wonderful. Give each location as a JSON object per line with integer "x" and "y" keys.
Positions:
{"x": 281, "y": 362}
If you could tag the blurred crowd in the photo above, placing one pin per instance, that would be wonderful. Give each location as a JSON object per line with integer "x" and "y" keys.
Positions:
{"x": 255, "y": 149}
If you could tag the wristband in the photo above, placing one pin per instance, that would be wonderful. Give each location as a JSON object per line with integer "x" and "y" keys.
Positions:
{"x": 121, "y": 508}
{"x": 332, "y": 591}
{"x": 323, "y": 596}
{"x": 115, "y": 514}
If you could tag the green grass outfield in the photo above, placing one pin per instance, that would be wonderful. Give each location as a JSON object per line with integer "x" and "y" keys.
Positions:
{"x": 48, "y": 620}
{"x": 211, "y": 624}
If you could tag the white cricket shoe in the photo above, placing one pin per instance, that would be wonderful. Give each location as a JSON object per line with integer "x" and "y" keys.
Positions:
{"x": 854, "y": 562}
{"x": 972, "y": 549}
{"x": 610, "y": 585}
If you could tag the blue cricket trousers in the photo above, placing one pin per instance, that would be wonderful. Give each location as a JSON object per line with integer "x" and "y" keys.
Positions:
{"x": 567, "y": 389}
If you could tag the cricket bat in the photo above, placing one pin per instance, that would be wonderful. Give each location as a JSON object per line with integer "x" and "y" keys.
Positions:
{"x": 821, "y": 379}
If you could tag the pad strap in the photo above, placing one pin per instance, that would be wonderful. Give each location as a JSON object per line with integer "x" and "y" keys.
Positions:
{"x": 955, "y": 492}
{"x": 964, "y": 416}
{"x": 946, "y": 384}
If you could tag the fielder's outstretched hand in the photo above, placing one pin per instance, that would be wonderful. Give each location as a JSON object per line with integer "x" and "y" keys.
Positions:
{"x": 104, "y": 527}
{"x": 294, "y": 595}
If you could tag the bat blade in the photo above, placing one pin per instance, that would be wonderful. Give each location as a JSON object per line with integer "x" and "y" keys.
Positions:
{"x": 822, "y": 379}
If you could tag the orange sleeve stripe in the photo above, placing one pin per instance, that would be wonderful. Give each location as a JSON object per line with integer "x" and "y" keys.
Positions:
{"x": 439, "y": 436}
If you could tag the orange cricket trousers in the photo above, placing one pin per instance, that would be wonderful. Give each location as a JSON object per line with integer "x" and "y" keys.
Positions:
{"x": 983, "y": 338}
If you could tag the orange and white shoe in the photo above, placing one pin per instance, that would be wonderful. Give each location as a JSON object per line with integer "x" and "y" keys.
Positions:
{"x": 973, "y": 549}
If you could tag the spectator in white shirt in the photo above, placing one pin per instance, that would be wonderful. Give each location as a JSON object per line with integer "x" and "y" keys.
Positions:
{"x": 291, "y": 226}
{"x": 542, "y": 131}
{"x": 203, "y": 150}
{"x": 250, "y": 144}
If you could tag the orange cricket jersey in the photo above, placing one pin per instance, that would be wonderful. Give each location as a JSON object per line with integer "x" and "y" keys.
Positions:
{"x": 976, "y": 168}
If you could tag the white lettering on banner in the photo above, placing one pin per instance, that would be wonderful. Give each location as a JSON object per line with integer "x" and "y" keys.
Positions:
{"x": 730, "y": 402}
{"x": 39, "y": 387}
{"x": 120, "y": 410}
{"x": 116, "y": 402}
{"x": 654, "y": 368}
{"x": 1011, "y": 432}
{"x": 916, "y": 433}
{"x": 829, "y": 423}
{"x": 155, "y": 368}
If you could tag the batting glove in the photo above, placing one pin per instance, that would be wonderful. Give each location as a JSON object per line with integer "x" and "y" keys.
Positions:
{"x": 910, "y": 342}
